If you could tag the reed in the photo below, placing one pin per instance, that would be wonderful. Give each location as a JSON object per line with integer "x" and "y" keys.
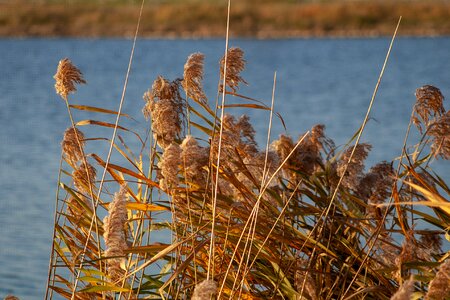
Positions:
{"x": 272, "y": 238}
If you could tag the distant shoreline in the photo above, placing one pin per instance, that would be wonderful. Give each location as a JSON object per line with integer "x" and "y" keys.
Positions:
{"x": 277, "y": 20}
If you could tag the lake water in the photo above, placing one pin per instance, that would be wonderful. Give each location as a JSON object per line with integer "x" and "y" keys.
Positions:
{"x": 326, "y": 81}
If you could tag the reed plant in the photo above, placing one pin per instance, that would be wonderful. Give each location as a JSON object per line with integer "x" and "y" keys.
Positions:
{"x": 296, "y": 218}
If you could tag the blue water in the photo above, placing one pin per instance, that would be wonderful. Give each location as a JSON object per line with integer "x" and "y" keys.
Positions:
{"x": 326, "y": 81}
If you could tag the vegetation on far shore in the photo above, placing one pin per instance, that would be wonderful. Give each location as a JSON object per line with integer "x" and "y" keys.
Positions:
{"x": 249, "y": 18}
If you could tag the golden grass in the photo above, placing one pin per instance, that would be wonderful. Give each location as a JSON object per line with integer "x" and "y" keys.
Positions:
{"x": 301, "y": 219}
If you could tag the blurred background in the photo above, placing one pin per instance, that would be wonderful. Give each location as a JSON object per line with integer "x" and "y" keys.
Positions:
{"x": 206, "y": 18}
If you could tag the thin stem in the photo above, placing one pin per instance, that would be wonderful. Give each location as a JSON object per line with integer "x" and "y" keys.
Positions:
{"x": 210, "y": 273}
{"x": 119, "y": 112}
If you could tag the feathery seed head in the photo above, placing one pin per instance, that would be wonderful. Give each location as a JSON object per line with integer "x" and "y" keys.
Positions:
{"x": 164, "y": 106}
{"x": 308, "y": 154}
{"x": 204, "y": 290}
{"x": 431, "y": 241}
{"x": 193, "y": 76}
{"x": 307, "y": 158}
{"x": 11, "y": 297}
{"x": 114, "y": 233}
{"x": 439, "y": 132}
{"x": 247, "y": 132}
{"x": 67, "y": 75}
{"x": 405, "y": 291}
{"x": 388, "y": 251}
{"x": 439, "y": 287}
{"x": 235, "y": 65}
{"x": 374, "y": 187}
{"x": 236, "y": 135}
{"x": 352, "y": 170}
{"x": 429, "y": 104}
{"x": 283, "y": 146}
{"x": 84, "y": 177}
{"x": 72, "y": 144}
{"x": 193, "y": 159}
{"x": 169, "y": 164}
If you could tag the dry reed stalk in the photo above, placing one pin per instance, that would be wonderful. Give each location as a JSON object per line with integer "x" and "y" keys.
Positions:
{"x": 164, "y": 106}
{"x": 114, "y": 225}
{"x": 204, "y": 290}
{"x": 67, "y": 75}
{"x": 73, "y": 144}
{"x": 439, "y": 287}
{"x": 353, "y": 168}
{"x": 235, "y": 65}
{"x": 193, "y": 77}
{"x": 405, "y": 291}
{"x": 429, "y": 104}
{"x": 439, "y": 132}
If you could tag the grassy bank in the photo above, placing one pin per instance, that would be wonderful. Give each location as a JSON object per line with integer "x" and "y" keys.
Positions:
{"x": 207, "y": 18}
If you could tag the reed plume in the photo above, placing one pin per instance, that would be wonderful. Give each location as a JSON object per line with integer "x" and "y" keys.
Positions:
{"x": 114, "y": 225}
{"x": 254, "y": 164}
{"x": 412, "y": 251}
{"x": 194, "y": 158}
{"x": 388, "y": 252}
{"x": 204, "y": 290}
{"x": 67, "y": 75}
{"x": 84, "y": 177}
{"x": 164, "y": 106}
{"x": 235, "y": 65}
{"x": 193, "y": 77}
{"x": 72, "y": 144}
{"x": 304, "y": 282}
{"x": 236, "y": 135}
{"x": 11, "y": 297}
{"x": 308, "y": 154}
{"x": 307, "y": 158}
{"x": 354, "y": 168}
{"x": 439, "y": 287}
{"x": 429, "y": 103}
{"x": 405, "y": 291}
{"x": 431, "y": 241}
{"x": 439, "y": 132}
{"x": 169, "y": 165}
{"x": 375, "y": 186}
{"x": 283, "y": 147}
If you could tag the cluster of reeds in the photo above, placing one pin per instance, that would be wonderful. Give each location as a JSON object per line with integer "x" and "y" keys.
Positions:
{"x": 294, "y": 219}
